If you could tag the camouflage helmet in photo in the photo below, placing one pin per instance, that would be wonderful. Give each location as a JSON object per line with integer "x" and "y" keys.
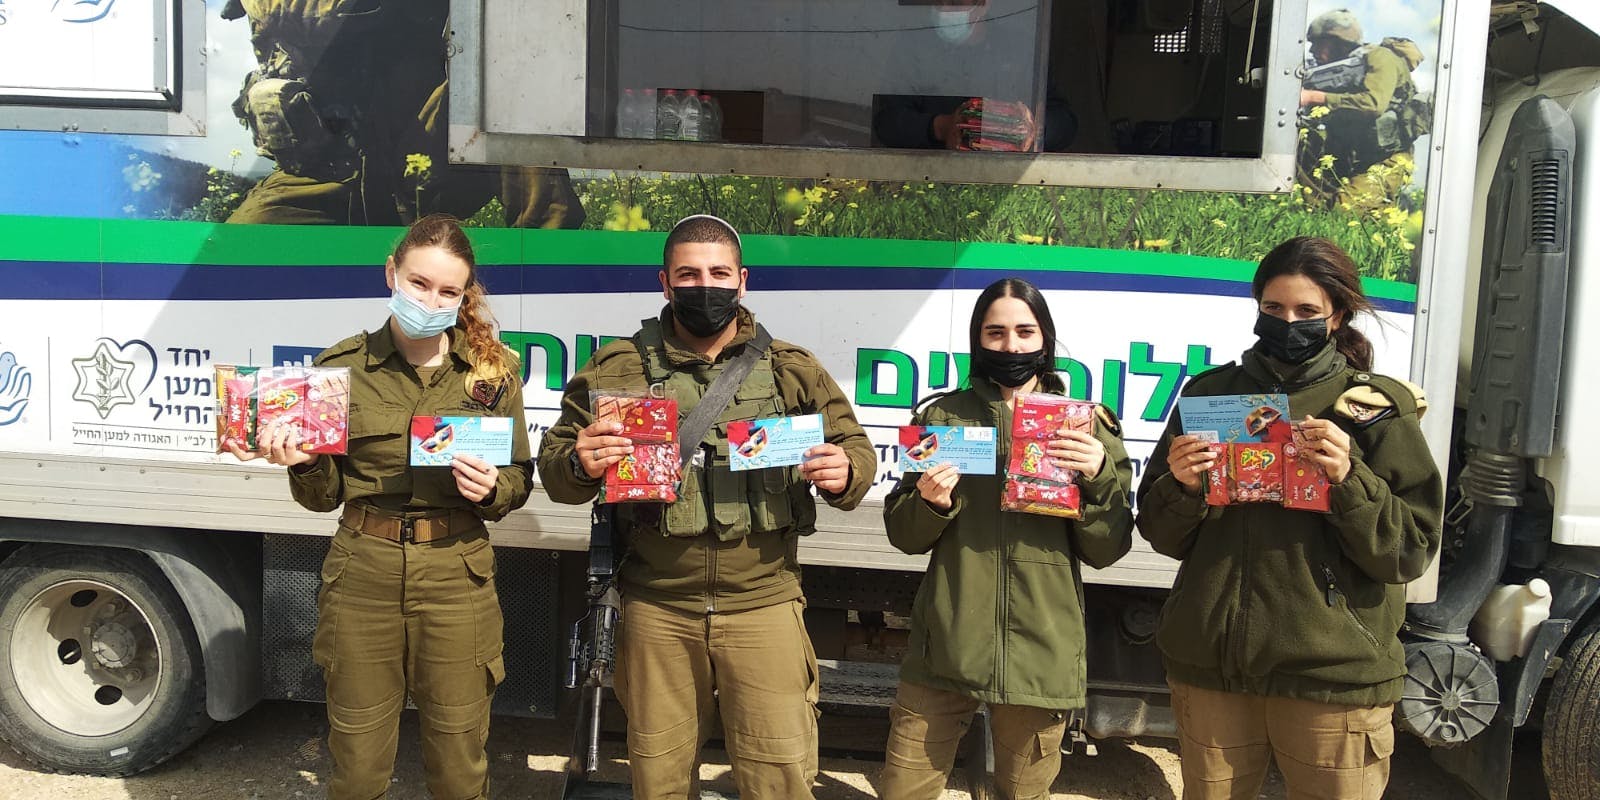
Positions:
{"x": 1338, "y": 24}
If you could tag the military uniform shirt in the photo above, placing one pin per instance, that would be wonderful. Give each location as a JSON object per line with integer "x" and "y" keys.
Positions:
{"x": 385, "y": 393}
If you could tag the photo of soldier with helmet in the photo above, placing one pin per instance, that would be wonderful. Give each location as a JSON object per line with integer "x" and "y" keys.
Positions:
{"x": 1362, "y": 113}
{"x": 349, "y": 97}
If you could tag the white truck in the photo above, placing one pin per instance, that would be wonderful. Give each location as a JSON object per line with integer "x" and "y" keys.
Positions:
{"x": 149, "y": 587}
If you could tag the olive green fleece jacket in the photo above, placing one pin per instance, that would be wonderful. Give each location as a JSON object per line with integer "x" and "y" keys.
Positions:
{"x": 1274, "y": 601}
{"x": 701, "y": 574}
{"x": 999, "y": 614}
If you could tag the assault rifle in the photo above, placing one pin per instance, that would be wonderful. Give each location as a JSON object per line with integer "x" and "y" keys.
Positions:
{"x": 592, "y": 648}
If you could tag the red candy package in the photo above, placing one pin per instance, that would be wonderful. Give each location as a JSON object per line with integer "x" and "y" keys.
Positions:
{"x": 314, "y": 399}
{"x": 1219, "y": 483}
{"x": 1305, "y": 483}
{"x": 1258, "y": 473}
{"x": 1267, "y": 472}
{"x": 643, "y": 419}
{"x": 1034, "y": 483}
{"x": 650, "y": 473}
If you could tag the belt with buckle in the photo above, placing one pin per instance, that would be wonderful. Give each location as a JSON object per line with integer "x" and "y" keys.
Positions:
{"x": 408, "y": 527}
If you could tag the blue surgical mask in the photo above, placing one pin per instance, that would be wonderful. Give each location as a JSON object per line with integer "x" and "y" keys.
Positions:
{"x": 417, "y": 321}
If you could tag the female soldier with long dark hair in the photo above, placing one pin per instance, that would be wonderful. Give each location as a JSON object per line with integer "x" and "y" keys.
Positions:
{"x": 408, "y": 603}
{"x": 998, "y": 618}
{"x": 1279, "y": 636}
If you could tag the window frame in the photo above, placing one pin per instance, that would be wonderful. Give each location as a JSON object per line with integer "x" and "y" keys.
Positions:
{"x": 175, "y": 110}
{"x": 1272, "y": 171}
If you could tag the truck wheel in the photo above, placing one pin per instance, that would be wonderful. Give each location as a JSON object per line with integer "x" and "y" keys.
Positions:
{"x": 1572, "y": 722}
{"x": 100, "y": 669}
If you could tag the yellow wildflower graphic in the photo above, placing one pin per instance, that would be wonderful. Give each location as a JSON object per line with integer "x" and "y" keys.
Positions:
{"x": 1154, "y": 244}
{"x": 1319, "y": 112}
{"x": 418, "y": 165}
{"x": 1028, "y": 238}
{"x": 626, "y": 218}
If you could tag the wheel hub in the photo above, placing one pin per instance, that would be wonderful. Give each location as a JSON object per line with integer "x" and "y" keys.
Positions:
{"x": 85, "y": 658}
{"x": 114, "y": 645}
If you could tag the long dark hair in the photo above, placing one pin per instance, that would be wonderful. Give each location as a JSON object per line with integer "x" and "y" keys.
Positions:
{"x": 490, "y": 358}
{"x": 1028, "y": 294}
{"x": 1330, "y": 267}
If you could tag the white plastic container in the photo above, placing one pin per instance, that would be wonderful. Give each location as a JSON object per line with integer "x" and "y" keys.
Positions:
{"x": 710, "y": 119}
{"x": 689, "y": 117}
{"x": 1506, "y": 622}
{"x": 669, "y": 110}
{"x": 645, "y": 114}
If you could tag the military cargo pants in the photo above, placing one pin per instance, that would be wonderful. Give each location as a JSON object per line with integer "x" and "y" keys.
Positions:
{"x": 760, "y": 665}
{"x": 926, "y": 726}
{"x": 1325, "y": 751}
{"x": 418, "y": 619}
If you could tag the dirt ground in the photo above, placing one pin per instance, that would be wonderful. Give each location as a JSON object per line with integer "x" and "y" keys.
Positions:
{"x": 277, "y": 751}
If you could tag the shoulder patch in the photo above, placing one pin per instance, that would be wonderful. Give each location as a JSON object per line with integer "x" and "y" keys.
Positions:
{"x": 1363, "y": 405}
{"x": 486, "y": 391}
{"x": 1372, "y": 398}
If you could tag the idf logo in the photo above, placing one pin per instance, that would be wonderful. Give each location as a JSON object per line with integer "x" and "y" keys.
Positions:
{"x": 114, "y": 374}
{"x": 16, "y": 383}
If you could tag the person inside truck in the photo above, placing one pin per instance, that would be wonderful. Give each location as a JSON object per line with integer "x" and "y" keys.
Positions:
{"x": 1280, "y": 635}
{"x": 998, "y": 618}
{"x": 408, "y": 605}
{"x": 712, "y": 607}
{"x": 961, "y": 32}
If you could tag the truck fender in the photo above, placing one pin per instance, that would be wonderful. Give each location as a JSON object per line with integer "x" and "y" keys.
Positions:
{"x": 217, "y": 576}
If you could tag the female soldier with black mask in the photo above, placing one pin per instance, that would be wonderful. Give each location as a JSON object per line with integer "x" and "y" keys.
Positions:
{"x": 999, "y": 618}
{"x": 1279, "y": 636}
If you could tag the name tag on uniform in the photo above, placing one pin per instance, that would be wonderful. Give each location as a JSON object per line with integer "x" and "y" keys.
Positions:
{"x": 435, "y": 441}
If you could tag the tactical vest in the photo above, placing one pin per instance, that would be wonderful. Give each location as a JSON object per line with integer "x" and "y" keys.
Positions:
{"x": 712, "y": 498}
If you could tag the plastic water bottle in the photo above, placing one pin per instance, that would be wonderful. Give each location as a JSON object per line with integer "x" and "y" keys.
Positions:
{"x": 1506, "y": 622}
{"x": 644, "y": 115}
{"x": 689, "y": 117}
{"x": 668, "y": 115}
{"x": 628, "y": 115}
{"x": 710, "y": 119}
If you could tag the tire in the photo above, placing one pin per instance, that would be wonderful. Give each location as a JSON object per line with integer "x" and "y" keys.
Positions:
{"x": 1572, "y": 722}
{"x": 100, "y": 668}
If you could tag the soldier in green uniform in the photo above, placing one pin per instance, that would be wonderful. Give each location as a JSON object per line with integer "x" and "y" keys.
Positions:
{"x": 1279, "y": 636}
{"x": 408, "y": 605}
{"x": 998, "y": 618}
{"x": 710, "y": 584}
{"x": 349, "y": 99}
{"x": 1359, "y": 156}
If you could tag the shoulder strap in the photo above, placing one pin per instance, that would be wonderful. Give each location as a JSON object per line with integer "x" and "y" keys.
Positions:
{"x": 720, "y": 393}
{"x": 1398, "y": 393}
{"x": 651, "y": 344}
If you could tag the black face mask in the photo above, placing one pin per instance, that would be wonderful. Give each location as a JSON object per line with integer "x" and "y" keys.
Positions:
{"x": 1291, "y": 342}
{"x": 704, "y": 311}
{"x": 1009, "y": 369}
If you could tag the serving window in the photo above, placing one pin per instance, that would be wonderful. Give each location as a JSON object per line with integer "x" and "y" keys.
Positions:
{"x": 1152, "y": 93}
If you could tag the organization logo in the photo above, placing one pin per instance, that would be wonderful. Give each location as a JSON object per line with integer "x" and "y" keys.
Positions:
{"x": 110, "y": 376}
{"x": 284, "y": 355}
{"x": 16, "y": 383}
{"x": 82, "y": 11}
